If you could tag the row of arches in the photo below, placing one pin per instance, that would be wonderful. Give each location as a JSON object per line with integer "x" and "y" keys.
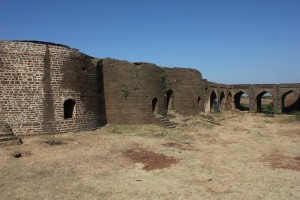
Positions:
{"x": 168, "y": 103}
{"x": 264, "y": 101}
{"x": 217, "y": 105}
{"x": 238, "y": 101}
{"x": 290, "y": 101}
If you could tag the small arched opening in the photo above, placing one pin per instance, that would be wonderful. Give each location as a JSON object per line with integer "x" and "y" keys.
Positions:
{"x": 228, "y": 101}
{"x": 69, "y": 108}
{"x": 214, "y": 104}
{"x": 222, "y": 101}
{"x": 198, "y": 100}
{"x": 265, "y": 102}
{"x": 155, "y": 105}
{"x": 290, "y": 102}
{"x": 241, "y": 101}
{"x": 169, "y": 100}
{"x": 199, "y": 103}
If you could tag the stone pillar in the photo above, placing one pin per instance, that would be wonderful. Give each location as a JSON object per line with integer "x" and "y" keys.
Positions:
{"x": 277, "y": 100}
{"x": 252, "y": 99}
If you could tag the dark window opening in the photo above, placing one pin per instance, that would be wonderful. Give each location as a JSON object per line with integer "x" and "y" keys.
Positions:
{"x": 198, "y": 100}
{"x": 69, "y": 108}
{"x": 169, "y": 103}
{"x": 154, "y": 105}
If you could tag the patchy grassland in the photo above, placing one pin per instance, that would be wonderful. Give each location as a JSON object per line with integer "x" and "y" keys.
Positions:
{"x": 228, "y": 156}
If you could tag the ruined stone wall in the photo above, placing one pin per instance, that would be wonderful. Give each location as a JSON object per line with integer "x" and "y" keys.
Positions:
{"x": 129, "y": 91}
{"x": 186, "y": 85}
{"x": 221, "y": 92}
{"x": 283, "y": 95}
{"x": 37, "y": 78}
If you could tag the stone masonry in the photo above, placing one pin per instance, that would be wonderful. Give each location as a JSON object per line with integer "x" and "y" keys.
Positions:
{"x": 52, "y": 88}
{"x": 37, "y": 78}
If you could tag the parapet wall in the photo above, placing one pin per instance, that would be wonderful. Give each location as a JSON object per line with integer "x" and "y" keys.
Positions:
{"x": 129, "y": 90}
{"x": 134, "y": 92}
{"x": 186, "y": 86}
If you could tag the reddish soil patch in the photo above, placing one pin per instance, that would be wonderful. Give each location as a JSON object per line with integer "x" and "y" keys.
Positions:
{"x": 150, "y": 159}
{"x": 278, "y": 161}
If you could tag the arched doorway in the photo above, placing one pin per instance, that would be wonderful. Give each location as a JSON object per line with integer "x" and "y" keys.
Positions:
{"x": 155, "y": 105}
{"x": 214, "y": 104}
{"x": 69, "y": 108}
{"x": 198, "y": 101}
{"x": 169, "y": 100}
{"x": 222, "y": 101}
{"x": 290, "y": 102}
{"x": 228, "y": 101}
{"x": 265, "y": 102}
{"x": 241, "y": 101}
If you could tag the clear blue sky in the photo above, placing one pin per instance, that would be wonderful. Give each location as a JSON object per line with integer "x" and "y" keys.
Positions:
{"x": 229, "y": 41}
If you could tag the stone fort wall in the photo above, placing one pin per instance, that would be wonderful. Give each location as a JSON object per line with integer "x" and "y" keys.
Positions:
{"x": 36, "y": 79}
{"x": 186, "y": 86}
{"x": 52, "y": 88}
{"x": 131, "y": 89}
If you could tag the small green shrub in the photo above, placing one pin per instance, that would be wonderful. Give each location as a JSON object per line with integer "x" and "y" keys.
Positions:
{"x": 125, "y": 91}
{"x": 268, "y": 111}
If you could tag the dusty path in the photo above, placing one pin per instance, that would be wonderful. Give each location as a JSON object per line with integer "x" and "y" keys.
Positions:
{"x": 242, "y": 156}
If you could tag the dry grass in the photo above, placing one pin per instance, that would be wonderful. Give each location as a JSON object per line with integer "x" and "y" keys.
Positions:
{"x": 247, "y": 156}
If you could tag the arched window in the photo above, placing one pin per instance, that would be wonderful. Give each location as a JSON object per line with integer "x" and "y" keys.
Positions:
{"x": 154, "y": 105}
{"x": 69, "y": 108}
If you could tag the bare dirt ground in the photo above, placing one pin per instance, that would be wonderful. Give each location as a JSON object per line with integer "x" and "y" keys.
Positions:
{"x": 226, "y": 156}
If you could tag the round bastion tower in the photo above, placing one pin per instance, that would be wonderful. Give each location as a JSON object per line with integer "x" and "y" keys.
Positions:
{"x": 49, "y": 88}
